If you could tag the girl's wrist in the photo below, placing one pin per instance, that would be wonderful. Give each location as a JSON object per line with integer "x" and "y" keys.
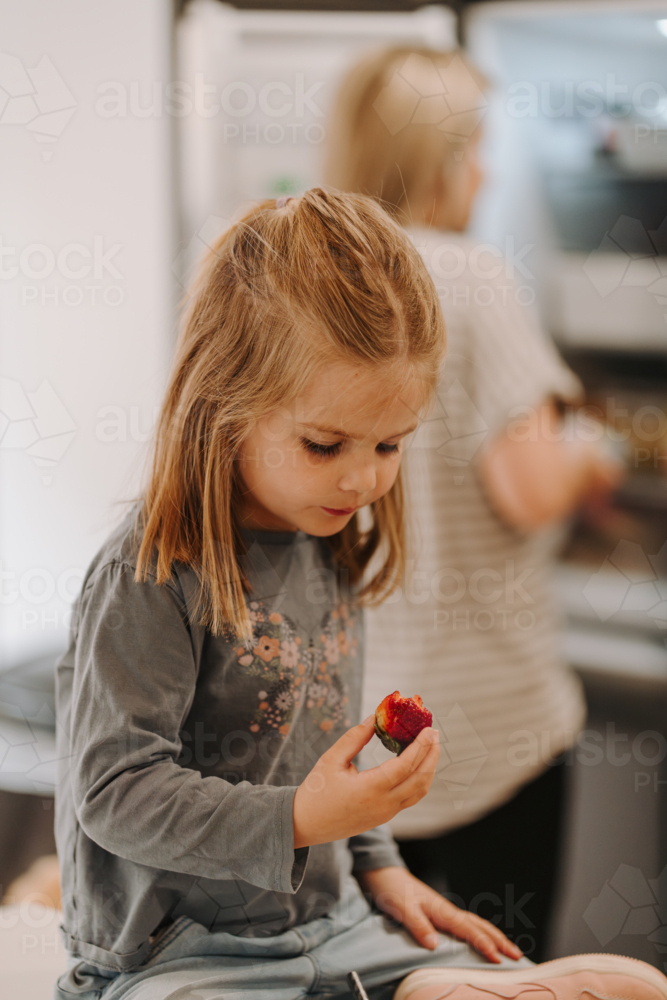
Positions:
{"x": 371, "y": 876}
{"x": 300, "y": 834}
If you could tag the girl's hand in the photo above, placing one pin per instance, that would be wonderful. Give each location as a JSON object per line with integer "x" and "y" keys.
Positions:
{"x": 423, "y": 911}
{"x": 335, "y": 801}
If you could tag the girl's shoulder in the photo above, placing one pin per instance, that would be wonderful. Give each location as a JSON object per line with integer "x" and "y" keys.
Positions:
{"x": 123, "y": 542}
{"x": 114, "y": 593}
{"x": 120, "y": 551}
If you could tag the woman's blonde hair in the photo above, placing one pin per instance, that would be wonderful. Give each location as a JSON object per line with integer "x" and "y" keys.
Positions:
{"x": 285, "y": 290}
{"x": 401, "y": 119}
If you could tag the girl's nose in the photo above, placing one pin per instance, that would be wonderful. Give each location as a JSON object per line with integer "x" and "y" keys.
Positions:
{"x": 358, "y": 477}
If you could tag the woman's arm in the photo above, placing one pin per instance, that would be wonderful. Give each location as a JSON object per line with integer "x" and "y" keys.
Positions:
{"x": 537, "y": 477}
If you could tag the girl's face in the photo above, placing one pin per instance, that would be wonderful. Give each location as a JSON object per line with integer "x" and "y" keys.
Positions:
{"x": 311, "y": 465}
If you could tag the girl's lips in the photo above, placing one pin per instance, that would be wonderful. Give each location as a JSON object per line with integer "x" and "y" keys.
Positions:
{"x": 335, "y": 512}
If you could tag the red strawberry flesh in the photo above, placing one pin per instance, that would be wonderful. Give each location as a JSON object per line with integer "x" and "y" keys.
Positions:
{"x": 398, "y": 721}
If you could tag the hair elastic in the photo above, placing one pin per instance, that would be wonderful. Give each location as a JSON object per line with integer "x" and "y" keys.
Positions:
{"x": 282, "y": 201}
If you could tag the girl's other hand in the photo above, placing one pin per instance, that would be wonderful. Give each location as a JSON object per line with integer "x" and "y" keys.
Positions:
{"x": 423, "y": 911}
{"x": 336, "y": 801}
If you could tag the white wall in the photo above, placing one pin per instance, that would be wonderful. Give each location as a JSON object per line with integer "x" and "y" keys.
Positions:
{"x": 82, "y": 175}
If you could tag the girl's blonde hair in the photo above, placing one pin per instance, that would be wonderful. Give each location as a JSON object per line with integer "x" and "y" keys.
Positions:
{"x": 402, "y": 118}
{"x": 285, "y": 290}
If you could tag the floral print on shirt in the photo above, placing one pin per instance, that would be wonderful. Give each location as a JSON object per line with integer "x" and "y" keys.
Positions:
{"x": 293, "y": 674}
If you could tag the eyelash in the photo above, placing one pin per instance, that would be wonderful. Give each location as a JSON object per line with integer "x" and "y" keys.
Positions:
{"x": 323, "y": 450}
{"x": 328, "y": 450}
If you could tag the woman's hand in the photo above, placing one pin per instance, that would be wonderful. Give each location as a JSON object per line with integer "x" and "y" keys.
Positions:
{"x": 540, "y": 477}
{"x": 423, "y": 911}
{"x": 335, "y": 801}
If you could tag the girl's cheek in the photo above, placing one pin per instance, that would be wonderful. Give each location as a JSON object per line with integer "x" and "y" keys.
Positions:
{"x": 309, "y": 470}
{"x": 390, "y": 474}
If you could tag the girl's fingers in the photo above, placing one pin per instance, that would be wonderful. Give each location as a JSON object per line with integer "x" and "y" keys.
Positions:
{"x": 507, "y": 947}
{"x": 413, "y": 789}
{"x": 400, "y": 768}
{"x": 501, "y": 941}
{"x": 485, "y": 937}
{"x": 458, "y": 921}
{"x": 416, "y": 785}
{"x": 430, "y": 761}
{"x": 483, "y": 942}
{"x": 350, "y": 743}
{"x": 406, "y": 803}
{"x": 421, "y": 928}
{"x": 462, "y": 925}
{"x": 485, "y": 946}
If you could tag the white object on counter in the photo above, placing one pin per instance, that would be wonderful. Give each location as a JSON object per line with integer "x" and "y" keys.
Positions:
{"x": 27, "y": 758}
{"x": 32, "y": 955}
{"x": 606, "y": 652}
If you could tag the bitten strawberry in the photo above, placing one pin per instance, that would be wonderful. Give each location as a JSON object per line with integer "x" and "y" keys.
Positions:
{"x": 399, "y": 721}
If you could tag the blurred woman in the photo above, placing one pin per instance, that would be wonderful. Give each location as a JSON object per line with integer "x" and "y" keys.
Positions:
{"x": 489, "y": 477}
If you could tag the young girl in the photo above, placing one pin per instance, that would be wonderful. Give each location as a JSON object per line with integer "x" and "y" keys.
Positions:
{"x": 215, "y": 838}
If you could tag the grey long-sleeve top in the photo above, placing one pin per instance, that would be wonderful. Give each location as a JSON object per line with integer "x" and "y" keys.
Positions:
{"x": 180, "y": 752}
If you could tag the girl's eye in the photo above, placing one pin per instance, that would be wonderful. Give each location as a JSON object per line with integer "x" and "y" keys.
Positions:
{"x": 387, "y": 449}
{"x": 324, "y": 450}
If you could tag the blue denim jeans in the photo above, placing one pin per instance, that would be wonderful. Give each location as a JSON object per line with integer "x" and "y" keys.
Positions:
{"x": 190, "y": 963}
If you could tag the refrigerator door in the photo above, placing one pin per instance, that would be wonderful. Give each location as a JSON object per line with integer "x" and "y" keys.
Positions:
{"x": 577, "y": 161}
{"x": 256, "y": 91}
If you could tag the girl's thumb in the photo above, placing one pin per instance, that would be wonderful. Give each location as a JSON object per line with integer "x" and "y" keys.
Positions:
{"x": 351, "y": 742}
